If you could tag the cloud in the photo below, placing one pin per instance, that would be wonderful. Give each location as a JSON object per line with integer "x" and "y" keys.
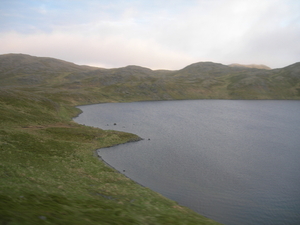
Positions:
{"x": 155, "y": 34}
{"x": 105, "y": 52}
{"x": 235, "y": 31}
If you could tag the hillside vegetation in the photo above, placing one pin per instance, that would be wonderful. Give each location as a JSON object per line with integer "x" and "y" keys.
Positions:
{"x": 60, "y": 80}
{"x": 48, "y": 171}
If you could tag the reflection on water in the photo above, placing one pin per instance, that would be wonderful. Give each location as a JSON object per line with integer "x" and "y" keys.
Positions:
{"x": 233, "y": 161}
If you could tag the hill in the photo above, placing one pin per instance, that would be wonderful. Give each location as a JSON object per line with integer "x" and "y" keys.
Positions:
{"x": 48, "y": 170}
{"x": 250, "y": 66}
{"x": 203, "y": 80}
{"x": 23, "y": 69}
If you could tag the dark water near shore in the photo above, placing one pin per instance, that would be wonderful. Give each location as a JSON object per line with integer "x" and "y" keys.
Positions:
{"x": 237, "y": 162}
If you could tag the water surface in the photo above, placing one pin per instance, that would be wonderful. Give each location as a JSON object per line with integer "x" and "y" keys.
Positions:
{"x": 234, "y": 161}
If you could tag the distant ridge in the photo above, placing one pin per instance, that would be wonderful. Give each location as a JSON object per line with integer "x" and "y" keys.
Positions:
{"x": 256, "y": 66}
{"x": 201, "y": 80}
{"x": 16, "y": 61}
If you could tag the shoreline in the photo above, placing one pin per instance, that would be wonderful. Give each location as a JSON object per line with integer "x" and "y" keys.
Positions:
{"x": 117, "y": 171}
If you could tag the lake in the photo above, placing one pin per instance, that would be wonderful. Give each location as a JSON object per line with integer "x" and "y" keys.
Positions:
{"x": 234, "y": 161}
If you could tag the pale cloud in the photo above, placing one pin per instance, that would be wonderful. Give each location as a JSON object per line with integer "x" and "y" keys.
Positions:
{"x": 225, "y": 31}
{"x": 155, "y": 34}
{"x": 108, "y": 52}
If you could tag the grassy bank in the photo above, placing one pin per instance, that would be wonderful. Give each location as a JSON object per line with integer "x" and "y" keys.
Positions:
{"x": 48, "y": 171}
{"x": 50, "y": 175}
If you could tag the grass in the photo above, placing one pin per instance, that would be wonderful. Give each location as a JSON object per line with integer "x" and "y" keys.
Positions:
{"x": 48, "y": 170}
{"x": 49, "y": 173}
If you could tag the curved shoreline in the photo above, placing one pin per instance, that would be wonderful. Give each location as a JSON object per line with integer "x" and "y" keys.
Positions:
{"x": 106, "y": 163}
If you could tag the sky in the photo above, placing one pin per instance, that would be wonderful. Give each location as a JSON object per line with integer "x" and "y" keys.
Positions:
{"x": 156, "y": 34}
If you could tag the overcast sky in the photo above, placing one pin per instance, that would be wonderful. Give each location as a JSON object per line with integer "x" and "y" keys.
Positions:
{"x": 157, "y": 34}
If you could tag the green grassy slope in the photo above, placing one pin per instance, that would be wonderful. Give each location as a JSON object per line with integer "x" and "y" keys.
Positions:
{"x": 48, "y": 171}
{"x": 50, "y": 175}
{"x": 204, "y": 80}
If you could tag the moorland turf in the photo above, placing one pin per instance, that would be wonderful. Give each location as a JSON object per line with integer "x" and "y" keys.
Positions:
{"x": 49, "y": 173}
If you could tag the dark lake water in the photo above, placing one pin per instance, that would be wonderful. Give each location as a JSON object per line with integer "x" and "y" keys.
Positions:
{"x": 234, "y": 161}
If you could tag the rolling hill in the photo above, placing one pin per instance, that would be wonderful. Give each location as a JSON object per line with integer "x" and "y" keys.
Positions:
{"x": 203, "y": 80}
{"x": 250, "y": 66}
{"x": 48, "y": 172}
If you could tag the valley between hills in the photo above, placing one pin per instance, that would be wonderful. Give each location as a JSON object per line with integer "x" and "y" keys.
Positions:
{"x": 48, "y": 171}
